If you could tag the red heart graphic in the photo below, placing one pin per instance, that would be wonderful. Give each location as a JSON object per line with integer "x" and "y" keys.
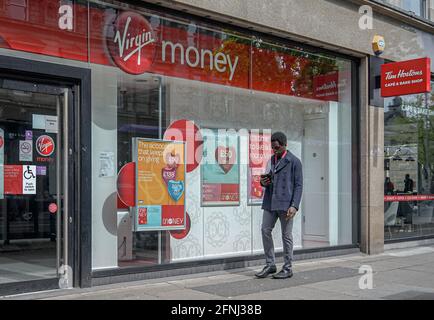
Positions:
{"x": 226, "y": 157}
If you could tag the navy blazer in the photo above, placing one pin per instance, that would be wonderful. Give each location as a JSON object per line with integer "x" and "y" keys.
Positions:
{"x": 287, "y": 186}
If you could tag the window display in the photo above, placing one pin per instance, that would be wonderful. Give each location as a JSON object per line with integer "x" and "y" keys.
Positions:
{"x": 408, "y": 165}
{"x": 223, "y": 95}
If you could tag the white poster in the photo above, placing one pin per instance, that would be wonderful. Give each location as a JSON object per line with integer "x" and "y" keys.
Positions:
{"x": 2, "y": 151}
{"x": 26, "y": 150}
{"x": 51, "y": 124}
{"x": 29, "y": 179}
{"x": 106, "y": 164}
{"x": 45, "y": 122}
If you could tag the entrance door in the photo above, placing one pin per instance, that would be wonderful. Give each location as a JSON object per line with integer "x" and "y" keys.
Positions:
{"x": 315, "y": 157}
{"x": 35, "y": 240}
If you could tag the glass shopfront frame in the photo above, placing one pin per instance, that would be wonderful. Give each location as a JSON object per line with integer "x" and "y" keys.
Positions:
{"x": 408, "y": 190}
{"x": 143, "y": 105}
{"x": 177, "y": 92}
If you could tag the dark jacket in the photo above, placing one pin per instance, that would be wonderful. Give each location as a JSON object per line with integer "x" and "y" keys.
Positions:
{"x": 287, "y": 186}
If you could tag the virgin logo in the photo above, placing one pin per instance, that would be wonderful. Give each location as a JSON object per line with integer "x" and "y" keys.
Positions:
{"x": 45, "y": 146}
{"x": 131, "y": 43}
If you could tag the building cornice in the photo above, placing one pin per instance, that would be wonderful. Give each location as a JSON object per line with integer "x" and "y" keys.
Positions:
{"x": 398, "y": 14}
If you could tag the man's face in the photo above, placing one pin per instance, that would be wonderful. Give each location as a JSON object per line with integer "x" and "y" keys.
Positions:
{"x": 278, "y": 149}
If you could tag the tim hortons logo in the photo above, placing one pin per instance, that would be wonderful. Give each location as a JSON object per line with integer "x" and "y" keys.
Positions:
{"x": 45, "y": 146}
{"x": 403, "y": 74}
{"x": 131, "y": 43}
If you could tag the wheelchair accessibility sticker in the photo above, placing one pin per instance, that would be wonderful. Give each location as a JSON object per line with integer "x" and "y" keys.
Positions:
{"x": 29, "y": 179}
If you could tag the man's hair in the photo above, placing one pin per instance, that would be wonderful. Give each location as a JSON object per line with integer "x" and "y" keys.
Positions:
{"x": 279, "y": 137}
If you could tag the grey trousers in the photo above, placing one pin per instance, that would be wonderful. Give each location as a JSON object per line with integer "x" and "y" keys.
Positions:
{"x": 269, "y": 219}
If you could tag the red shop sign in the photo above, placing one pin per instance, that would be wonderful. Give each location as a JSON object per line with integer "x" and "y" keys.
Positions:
{"x": 45, "y": 145}
{"x": 407, "y": 77}
{"x": 133, "y": 45}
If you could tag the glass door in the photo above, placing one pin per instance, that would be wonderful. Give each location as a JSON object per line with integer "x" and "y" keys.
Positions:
{"x": 34, "y": 199}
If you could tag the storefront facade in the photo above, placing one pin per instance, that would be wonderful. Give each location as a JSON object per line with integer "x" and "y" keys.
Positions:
{"x": 133, "y": 136}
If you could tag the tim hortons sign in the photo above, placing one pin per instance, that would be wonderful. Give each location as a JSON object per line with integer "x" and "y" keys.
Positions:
{"x": 407, "y": 77}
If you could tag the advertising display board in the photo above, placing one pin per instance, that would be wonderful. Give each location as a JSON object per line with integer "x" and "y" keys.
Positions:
{"x": 160, "y": 184}
{"x": 220, "y": 169}
{"x": 406, "y": 77}
{"x": 260, "y": 153}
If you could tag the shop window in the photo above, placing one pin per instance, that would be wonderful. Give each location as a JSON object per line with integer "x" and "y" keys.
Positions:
{"x": 231, "y": 92}
{"x": 409, "y": 166}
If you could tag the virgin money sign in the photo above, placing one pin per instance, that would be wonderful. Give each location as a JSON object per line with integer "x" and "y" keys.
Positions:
{"x": 407, "y": 77}
{"x": 135, "y": 48}
{"x": 143, "y": 43}
{"x": 45, "y": 145}
{"x": 131, "y": 43}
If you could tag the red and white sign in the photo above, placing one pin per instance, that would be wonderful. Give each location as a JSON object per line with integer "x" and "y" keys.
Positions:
{"x": 418, "y": 197}
{"x": 52, "y": 208}
{"x": 45, "y": 145}
{"x": 178, "y": 50}
{"x": 260, "y": 152}
{"x": 172, "y": 216}
{"x": 131, "y": 43}
{"x": 326, "y": 87}
{"x": 19, "y": 179}
{"x": 407, "y": 77}
{"x": 13, "y": 182}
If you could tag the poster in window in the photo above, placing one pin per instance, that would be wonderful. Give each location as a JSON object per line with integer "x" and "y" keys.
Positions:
{"x": 220, "y": 168}
{"x": 160, "y": 184}
{"x": 259, "y": 154}
{"x": 2, "y": 152}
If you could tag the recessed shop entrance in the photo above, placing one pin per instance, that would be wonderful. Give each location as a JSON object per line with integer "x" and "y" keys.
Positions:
{"x": 36, "y": 185}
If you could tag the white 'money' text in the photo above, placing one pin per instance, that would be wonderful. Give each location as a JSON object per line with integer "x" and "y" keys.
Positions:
{"x": 195, "y": 59}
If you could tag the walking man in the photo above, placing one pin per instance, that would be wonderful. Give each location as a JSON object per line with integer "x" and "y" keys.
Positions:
{"x": 283, "y": 189}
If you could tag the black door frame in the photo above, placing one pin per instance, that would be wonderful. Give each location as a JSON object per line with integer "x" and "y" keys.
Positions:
{"x": 79, "y": 81}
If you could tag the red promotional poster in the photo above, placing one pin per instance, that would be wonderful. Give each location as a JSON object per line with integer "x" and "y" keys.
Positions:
{"x": 325, "y": 87}
{"x": 13, "y": 181}
{"x": 143, "y": 215}
{"x": 406, "y": 77}
{"x": 259, "y": 153}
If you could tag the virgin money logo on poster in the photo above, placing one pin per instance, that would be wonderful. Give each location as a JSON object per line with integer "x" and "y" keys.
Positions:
{"x": 45, "y": 145}
{"x": 131, "y": 43}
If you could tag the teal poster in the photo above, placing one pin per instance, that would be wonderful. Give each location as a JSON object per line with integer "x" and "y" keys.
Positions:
{"x": 220, "y": 168}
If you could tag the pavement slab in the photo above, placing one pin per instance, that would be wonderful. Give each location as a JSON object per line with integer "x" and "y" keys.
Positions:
{"x": 397, "y": 274}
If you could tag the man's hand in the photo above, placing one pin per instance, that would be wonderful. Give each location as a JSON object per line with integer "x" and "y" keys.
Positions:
{"x": 265, "y": 180}
{"x": 291, "y": 213}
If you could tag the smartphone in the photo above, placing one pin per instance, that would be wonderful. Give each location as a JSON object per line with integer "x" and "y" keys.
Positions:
{"x": 263, "y": 176}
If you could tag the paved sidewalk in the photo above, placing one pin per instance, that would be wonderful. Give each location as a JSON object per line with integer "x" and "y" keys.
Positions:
{"x": 397, "y": 274}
